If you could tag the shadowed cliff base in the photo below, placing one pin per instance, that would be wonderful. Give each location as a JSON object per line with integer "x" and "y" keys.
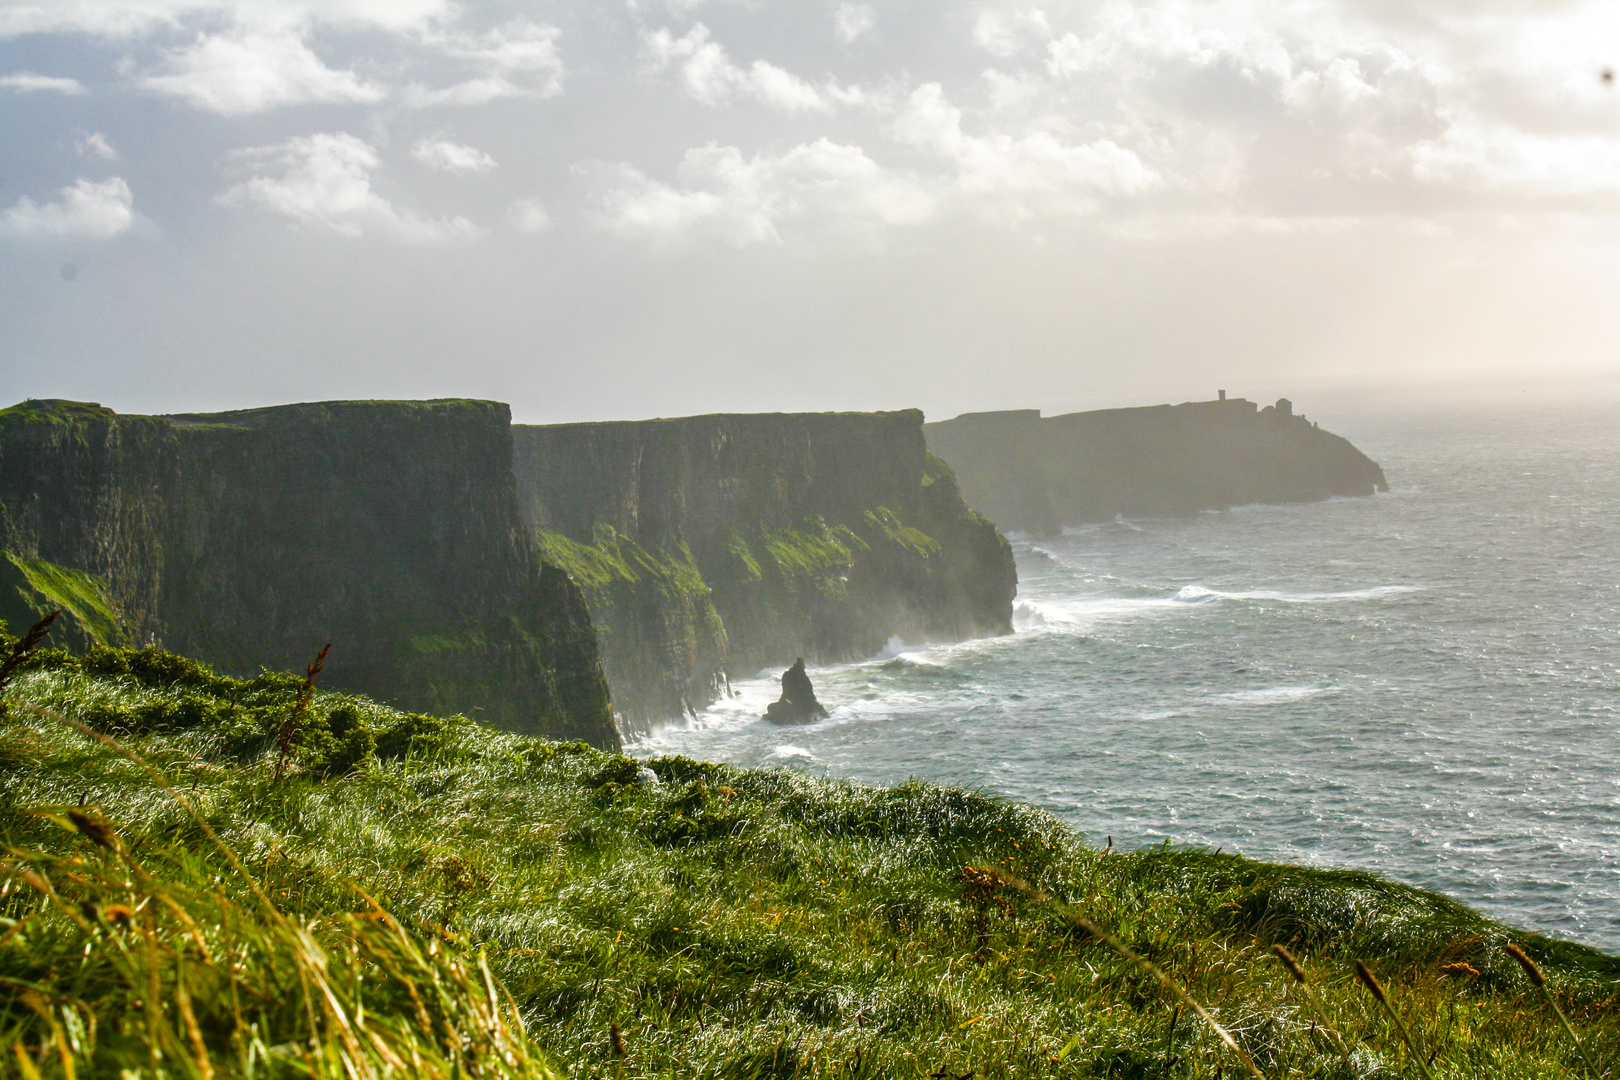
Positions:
{"x": 1036, "y": 475}
{"x": 387, "y": 528}
{"x": 714, "y": 545}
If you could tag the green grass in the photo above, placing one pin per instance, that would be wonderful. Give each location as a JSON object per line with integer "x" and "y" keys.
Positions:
{"x": 52, "y": 411}
{"x": 727, "y": 922}
{"x": 613, "y": 560}
{"x": 29, "y": 588}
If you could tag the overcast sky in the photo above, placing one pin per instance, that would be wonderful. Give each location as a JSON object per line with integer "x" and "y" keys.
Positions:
{"x": 655, "y": 207}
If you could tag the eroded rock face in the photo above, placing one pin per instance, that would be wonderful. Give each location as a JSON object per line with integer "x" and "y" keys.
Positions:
{"x": 1036, "y": 475}
{"x": 798, "y": 704}
{"x": 724, "y": 544}
{"x": 251, "y": 538}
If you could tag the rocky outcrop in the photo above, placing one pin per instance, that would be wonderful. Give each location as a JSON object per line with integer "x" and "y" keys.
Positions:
{"x": 1037, "y": 475}
{"x": 715, "y": 545}
{"x": 252, "y": 538}
{"x": 798, "y": 704}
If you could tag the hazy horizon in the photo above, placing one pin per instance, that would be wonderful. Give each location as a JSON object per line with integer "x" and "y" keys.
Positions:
{"x": 668, "y": 208}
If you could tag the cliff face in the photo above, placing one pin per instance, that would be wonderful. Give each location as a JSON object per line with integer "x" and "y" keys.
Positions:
{"x": 719, "y": 544}
{"x": 388, "y": 528}
{"x": 1037, "y": 475}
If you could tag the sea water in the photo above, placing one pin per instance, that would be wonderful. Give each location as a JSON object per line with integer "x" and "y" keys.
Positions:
{"x": 1423, "y": 683}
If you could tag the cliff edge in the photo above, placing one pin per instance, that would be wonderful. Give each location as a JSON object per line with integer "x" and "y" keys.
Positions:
{"x": 1036, "y": 475}
{"x": 245, "y": 538}
{"x": 714, "y": 545}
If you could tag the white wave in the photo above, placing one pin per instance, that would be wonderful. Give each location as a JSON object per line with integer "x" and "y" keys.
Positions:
{"x": 745, "y": 708}
{"x": 1027, "y": 615}
{"x": 1197, "y": 594}
{"x": 1118, "y": 524}
{"x": 1275, "y": 695}
{"x": 1036, "y": 614}
{"x": 891, "y": 648}
{"x": 787, "y": 751}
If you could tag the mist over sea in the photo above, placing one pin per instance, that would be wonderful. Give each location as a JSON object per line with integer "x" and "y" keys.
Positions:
{"x": 1423, "y": 683}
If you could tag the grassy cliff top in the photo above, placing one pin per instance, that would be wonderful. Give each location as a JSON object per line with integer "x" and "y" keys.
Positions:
{"x": 324, "y": 410}
{"x": 63, "y": 411}
{"x": 43, "y": 408}
{"x": 901, "y": 415}
{"x": 53, "y": 411}
{"x": 412, "y": 885}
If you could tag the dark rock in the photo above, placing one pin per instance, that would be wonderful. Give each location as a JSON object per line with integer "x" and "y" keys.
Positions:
{"x": 798, "y": 704}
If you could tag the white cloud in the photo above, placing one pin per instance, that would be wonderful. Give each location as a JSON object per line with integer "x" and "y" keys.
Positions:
{"x": 1004, "y": 33}
{"x": 1024, "y": 174}
{"x": 1133, "y": 52}
{"x": 447, "y": 156}
{"x": 826, "y": 187}
{"x": 722, "y": 195}
{"x": 87, "y": 210}
{"x": 129, "y": 18}
{"x": 254, "y": 71}
{"x": 520, "y": 59}
{"x": 26, "y": 82}
{"x": 264, "y": 59}
{"x": 854, "y": 21}
{"x": 710, "y": 75}
{"x": 96, "y": 143}
{"x": 468, "y": 92}
{"x": 530, "y": 216}
{"x": 1504, "y": 159}
{"x": 326, "y": 183}
{"x": 1235, "y": 101}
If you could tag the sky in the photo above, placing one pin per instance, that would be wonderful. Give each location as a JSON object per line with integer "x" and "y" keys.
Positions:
{"x": 635, "y": 208}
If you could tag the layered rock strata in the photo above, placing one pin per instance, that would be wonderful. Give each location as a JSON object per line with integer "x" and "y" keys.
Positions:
{"x": 1033, "y": 474}
{"x": 390, "y": 529}
{"x": 718, "y": 545}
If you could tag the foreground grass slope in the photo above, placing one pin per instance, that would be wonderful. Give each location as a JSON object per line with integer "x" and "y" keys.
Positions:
{"x": 424, "y": 896}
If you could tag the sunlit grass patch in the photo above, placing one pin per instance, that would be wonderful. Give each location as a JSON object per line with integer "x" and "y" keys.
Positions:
{"x": 725, "y": 922}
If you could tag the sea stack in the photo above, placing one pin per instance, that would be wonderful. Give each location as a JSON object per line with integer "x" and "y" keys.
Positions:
{"x": 798, "y": 704}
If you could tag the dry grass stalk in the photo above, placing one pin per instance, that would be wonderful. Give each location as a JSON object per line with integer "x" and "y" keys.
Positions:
{"x": 1374, "y": 987}
{"x": 1174, "y": 987}
{"x": 25, "y": 647}
{"x": 1297, "y": 970}
{"x": 293, "y": 725}
{"x": 1539, "y": 981}
{"x": 463, "y": 1026}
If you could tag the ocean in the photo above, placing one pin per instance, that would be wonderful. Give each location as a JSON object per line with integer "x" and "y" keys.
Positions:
{"x": 1423, "y": 683}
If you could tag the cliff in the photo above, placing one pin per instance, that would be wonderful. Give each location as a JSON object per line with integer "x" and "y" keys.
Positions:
{"x": 714, "y": 545}
{"x": 245, "y": 538}
{"x": 1037, "y": 475}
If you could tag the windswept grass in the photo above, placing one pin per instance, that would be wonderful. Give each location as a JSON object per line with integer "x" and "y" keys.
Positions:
{"x": 676, "y": 918}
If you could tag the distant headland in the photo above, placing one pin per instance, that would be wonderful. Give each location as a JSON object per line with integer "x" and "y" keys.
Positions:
{"x": 1036, "y": 475}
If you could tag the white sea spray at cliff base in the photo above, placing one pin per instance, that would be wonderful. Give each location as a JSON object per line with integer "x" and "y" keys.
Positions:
{"x": 1426, "y": 687}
